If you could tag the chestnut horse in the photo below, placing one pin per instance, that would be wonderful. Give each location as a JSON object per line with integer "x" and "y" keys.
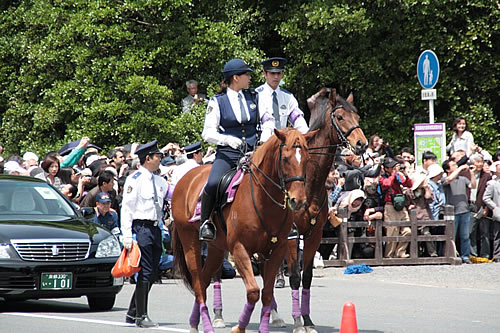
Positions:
{"x": 256, "y": 222}
{"x": 335, "y": 129}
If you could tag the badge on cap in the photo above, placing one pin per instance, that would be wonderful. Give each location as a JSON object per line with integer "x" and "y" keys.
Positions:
{"x": 275, "y": 63}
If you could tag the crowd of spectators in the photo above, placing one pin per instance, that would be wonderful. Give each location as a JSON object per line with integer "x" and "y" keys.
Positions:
{"x": 390, "y": 184}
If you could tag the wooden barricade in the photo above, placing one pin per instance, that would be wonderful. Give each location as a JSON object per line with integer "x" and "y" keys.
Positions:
{"x": 345, "y": 242}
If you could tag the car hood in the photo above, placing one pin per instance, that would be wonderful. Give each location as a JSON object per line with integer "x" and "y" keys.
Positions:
{"x": 71, "y": 228}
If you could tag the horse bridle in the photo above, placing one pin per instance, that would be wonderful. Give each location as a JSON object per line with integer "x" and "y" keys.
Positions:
{"x": 282, "y": 186}
{"x": 341, "y": 135}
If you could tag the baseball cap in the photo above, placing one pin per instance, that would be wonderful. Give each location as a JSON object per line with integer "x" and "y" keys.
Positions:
{"x": 12, "y": 166}
{"x": 30, "y": 156}
{"x": 103, "y": 197}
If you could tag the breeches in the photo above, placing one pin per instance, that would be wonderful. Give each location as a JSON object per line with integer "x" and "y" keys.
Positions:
{"x": 220, "y": 166}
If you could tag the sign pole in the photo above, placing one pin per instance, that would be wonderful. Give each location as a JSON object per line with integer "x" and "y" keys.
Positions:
{"x": 431, "y": 111}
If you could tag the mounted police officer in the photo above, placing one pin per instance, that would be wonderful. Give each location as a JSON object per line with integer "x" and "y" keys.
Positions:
{"x": 143, "y": 197}
{"x": 277, "y": 104}
{"x": 231, "y": 122}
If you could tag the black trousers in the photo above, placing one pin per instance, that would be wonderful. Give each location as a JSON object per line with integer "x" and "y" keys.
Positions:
{"x": 149, "y": 239}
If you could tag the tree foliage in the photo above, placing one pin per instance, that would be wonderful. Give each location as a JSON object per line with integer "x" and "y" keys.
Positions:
{"x": 115, "y": 70}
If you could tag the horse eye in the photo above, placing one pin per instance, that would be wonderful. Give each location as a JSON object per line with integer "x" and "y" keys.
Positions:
{"x": 285, "y": 159}
{"x": 339, "y": 117}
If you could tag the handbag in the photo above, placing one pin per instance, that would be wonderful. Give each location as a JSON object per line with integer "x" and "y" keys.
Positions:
{"x": 128, "y": 262}
{"x": 398, "y": 201}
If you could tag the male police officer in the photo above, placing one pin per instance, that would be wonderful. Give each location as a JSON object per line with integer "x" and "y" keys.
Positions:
{"x": 279, "y": 104}
{"x": 143, "y": 196}
{"x": 194, "y": 156}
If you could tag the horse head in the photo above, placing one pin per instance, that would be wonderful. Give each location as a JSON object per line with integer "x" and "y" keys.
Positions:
{"x": 345, "y": 121}
{"x": 293, "y": 155}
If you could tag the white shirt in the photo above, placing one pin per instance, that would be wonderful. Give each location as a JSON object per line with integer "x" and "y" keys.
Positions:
{"x": 138, "y": 198}
{"x": 183, "y": 169}
{"x": 212, "y": 117}
{"x": 465, "y": 143}
{"x": 287, "y": 104}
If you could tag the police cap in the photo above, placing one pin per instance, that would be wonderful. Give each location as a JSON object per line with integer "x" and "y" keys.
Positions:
{"x": 193, "y": 148}
{"x": 148, "y": 149}
{"x": 275, "y": 64}
{"x": 235, "y": 67}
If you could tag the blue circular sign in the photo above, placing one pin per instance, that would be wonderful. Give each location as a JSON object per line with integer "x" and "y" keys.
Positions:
{"x": 428, "y": 69}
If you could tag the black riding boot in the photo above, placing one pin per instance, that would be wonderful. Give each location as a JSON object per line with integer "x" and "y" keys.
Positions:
{"x": 207, "y": 228}
{"x": 132, "y": 309}
{"x": 141, "y": 301}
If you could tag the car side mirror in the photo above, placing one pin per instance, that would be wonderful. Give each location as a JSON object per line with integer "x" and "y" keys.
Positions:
{"x": 87, "y": 211}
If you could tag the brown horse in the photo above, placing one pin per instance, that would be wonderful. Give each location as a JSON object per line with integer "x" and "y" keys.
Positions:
{"x": 337, "y": 128}
{"x": 256, "y": 222}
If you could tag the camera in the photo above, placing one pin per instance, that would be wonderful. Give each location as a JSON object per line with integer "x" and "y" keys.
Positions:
{"x": 402, "y": 166}
{"x": 328, "y": 90}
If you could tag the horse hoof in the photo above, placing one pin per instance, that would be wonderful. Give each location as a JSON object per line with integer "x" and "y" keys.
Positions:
{"x": 278, "y": 323}
{"x": 299, "y": 329}
{"x": 218, "y": 323}
{"x": 311, "y": 329}
{"x": 193, "y": 330}
{"x": 237, "y": 329}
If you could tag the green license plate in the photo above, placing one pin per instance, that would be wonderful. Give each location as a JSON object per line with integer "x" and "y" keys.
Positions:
{"x": 56, "y": 281}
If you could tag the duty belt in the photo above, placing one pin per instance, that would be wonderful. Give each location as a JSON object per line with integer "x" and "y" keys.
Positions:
{"x": 148, "y": 222}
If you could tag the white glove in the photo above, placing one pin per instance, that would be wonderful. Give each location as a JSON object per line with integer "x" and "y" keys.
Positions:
{"x": 232, "y": 141}
{"x": 127, "y": 242}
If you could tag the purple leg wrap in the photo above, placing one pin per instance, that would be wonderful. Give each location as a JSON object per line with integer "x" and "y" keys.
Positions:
{"x": 306, "y": 297}
{"x": 194, "y": 319}
{"x": 217, "y": 296}
{"x": 274, "y": 305}
{"x": 295, "y": 304}
{"x": 245, "y": 315}
{"x": 205, "y": 318}
{"x": 264, "y": 319}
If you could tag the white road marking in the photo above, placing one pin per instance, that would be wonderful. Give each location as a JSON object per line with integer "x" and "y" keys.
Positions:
{"x": 93, "y": 321}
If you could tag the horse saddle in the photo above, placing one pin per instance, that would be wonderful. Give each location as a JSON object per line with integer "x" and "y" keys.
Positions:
{"x": 226, "y": 190}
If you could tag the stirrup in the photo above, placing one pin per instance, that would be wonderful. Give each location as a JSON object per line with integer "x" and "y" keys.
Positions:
{"x": 208, "y": 231}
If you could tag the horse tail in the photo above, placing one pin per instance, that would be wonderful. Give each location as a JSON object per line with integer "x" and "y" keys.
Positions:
{"x": 180, "y": 265}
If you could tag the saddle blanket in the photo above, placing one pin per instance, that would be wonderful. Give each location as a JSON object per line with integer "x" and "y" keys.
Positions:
{"x": 230, "y": 191}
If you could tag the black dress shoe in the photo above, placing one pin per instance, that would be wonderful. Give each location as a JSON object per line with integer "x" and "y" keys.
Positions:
{"x": 207, "y": 231}
{"x": 129, "y": 319}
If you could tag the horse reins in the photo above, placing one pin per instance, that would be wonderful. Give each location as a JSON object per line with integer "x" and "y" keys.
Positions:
{"x": 282, "y": 186}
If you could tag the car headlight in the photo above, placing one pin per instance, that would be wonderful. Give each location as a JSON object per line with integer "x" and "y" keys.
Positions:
{"x": 110, "y": 247}
{"x": 4, "y": 251}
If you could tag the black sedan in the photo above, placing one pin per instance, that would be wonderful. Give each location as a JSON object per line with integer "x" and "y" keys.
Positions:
{"x": 48, "y": 249}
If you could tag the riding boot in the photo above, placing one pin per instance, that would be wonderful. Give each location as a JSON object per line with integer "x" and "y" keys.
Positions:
{"x": 131, "y": 313}
{"x": 207, "y": 228}
{"x": 141, "y": 301}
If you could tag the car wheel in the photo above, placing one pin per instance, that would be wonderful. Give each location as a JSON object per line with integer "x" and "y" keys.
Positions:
{"x": 100, "y": 303}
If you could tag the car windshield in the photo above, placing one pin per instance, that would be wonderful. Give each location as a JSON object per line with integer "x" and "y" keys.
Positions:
{"x": 31, "y": 198}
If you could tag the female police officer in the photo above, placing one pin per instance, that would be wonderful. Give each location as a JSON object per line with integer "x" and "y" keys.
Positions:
{"x": 231, "y": 122}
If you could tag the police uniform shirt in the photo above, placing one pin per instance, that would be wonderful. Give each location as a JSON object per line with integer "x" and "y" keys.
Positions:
{"x": 287, "y": 104}
{"x": 211, "y": 128}
{"x": 138, "y": 198}
{"x": 183, "y": 169}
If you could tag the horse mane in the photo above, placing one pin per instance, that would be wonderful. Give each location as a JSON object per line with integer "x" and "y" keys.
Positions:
{"x": 320, "y": 121}
{"x": 271, "y": 146}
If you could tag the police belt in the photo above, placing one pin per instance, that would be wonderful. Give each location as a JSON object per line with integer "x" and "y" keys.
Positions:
{"x": 146, "y": 222}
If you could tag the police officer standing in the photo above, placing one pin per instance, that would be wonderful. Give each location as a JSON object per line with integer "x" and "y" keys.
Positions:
{"x": 277, "y": 104}
{"x": 231, "y": 122}
{"x": 143, "y": 197}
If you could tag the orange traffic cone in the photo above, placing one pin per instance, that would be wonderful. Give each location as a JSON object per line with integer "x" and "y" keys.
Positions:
{"x": 348, "y": 323}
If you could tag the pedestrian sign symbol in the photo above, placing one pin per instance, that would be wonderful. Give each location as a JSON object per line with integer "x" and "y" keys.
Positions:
{"x": 428, "y": 69}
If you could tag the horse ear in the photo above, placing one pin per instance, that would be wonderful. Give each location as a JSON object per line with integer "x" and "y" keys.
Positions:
{"x": 350, "y": 99}
{"x": 310, "y": 135}
{"x": 280, "y": 135}
{"x": 333, "y": 96}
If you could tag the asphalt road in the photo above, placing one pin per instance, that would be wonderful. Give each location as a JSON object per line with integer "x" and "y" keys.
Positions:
{"x": 462, "y": 298}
